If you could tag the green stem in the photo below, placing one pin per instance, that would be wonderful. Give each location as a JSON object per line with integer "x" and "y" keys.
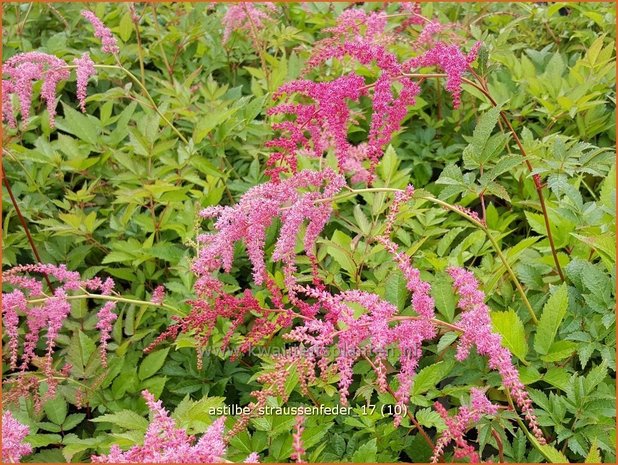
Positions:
{"x": 148, "y": 96}
{"x": 468, "y": 217}
{"x": 522, "y": 425}
{"x": 114, "y": 298}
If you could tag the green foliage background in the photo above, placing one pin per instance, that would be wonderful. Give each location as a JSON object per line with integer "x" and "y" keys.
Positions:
{"x": 115, "y": 192}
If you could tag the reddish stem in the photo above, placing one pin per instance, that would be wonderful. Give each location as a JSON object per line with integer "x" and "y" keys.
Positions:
{"x": 24, "y": 225}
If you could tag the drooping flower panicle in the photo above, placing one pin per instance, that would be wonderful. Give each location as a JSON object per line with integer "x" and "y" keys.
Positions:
{"x": 22, "y": 71}
{"x": 101, "y": 31}
{"x": 85, "y": 70}
{"x": 49, "y": 313}
{"x": 476, "y": 324}
{"x": 457, "y": 426}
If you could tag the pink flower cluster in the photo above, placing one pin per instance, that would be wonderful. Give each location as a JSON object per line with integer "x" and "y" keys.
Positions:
{"x": 85, "y": 70}
{"x": 164, "y": 442}
{"x": 48, "y": 313}
{"x": 23, "y": 70}
{"x": 457, "y": 426}
{"x": 249, "y": 219}
{"x": 324, "y": 123}
{"x": 316, "y": 126}
{"x": 102, "y": 32}
{"x": 476, "y": 324}
{"x": 13, "y": 434}
{"x": 297, "y": 441}
{"x": 451, "y": 60}
{"x": 246, "y": 16}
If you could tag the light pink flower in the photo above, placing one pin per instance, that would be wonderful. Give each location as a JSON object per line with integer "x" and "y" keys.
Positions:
{"x": 23, "y": 70}
{"x": 158, "y": 295}
{"x": 13, "y": 434}
{"x": 476, "y": 323}
{"x": 102, "y": 32}
{"x": 164, "y": 442}
{"x": 49, "y": 315}
{"x": 85, "y": 70}
{"x": 246, "y": 16}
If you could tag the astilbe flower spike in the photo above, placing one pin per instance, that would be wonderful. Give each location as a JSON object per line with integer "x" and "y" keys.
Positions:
{"x": 101, "y": 31}
{"x": 256, "y": 210}
{"x": 451, "y": 60}
{"x": 457, "y": 426}
{"x": 325, "y": 122}
{"x": 85, "y": 70}
{"x": 297, "y": 442}
{"x": 476, "y": 323}
{"x": 22, "y": 71}
{"x": 49, "y": 315}
{"x": 164, "y": 442}
{"x": 246, "y": 16}
{"x": 13, "y": 434}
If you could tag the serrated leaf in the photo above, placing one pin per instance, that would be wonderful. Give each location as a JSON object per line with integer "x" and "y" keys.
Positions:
{"x": 554, "y": 311}
{"x": 595, "y": 377}
{"x": 594, "y": 456}
{"x": 552, "y": 454}
{"x": 430, "y": 376}
{"x": 82, "y": 126}
{"x": 396, "y": 291}
{"x": 472, "y": 154}
{"x": 429, "y": 418}
{"x": 444, "y": 298}
{"x": 559, "y": 350}
{"x": 361, "y": 220}
{"x": 367, "y": 453}
{"x": 152, "y": 363}
{"x": 126, "y": 419}
{"x": 56, "y": 409}
{"x": 512, "y": 331}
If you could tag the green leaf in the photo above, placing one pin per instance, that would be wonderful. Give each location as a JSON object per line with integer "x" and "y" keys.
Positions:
{"x": 361, "y": 220}
{"x": 396, "y": 291}
{"x": 442, "y": 293}
{"x": 152, "y": 363}
{"x": 42, "y": 440}
{"x": 126, "y": 419}
{"x": 82, "y": 126}
{"x": 594, "y": 456}
{"x": 512, "y": 331}
{"x": 72, "y": 421}
{"x": 430, "y": 376}
{"x": 367, "y": 453}
{"x": 559, "y": 350}
{"x": 552, "y": 454}
{"x": 473, "y": 153}
{"x": 125, "y": 28}
{"x": 56, "y": 409}
{"x": 553, "y": 312}
{"x": 595, "y": 377}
